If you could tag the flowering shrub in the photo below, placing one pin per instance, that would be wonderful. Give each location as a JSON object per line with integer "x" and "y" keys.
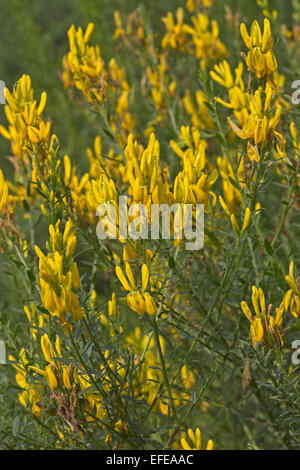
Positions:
{"x": 137, "y": 342}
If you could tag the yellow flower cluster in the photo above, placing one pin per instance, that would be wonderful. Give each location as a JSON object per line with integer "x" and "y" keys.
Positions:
{"x": 193, "y": 442}
{"x": 260, "y": 58}
{"x": 232, "y": 195}
{"x": 83, "y": 360}
{"x": 84, "y": 65}
{"x": 84, "y": 69}
{"x": 200, "y": 39}
{"x": 36, "y": 319}
{"x": 58, "y": 275}
{"x": 149, "y": 376}
{"x": 65, "y": 382}
{"x": 233, "y": 220}
{"x": 191, "y": 5}
{"x": 148, "y": 184}
{"x": 291, "y": 299}
{"x": 77, "y": 191}
{"x": 263, "y": 325}
{"x": 27, "y": 127}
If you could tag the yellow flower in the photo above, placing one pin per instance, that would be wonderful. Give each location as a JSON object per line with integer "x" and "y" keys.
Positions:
{"x": 85, "y": 64}
{"x": 27, "y": 128}
{"x": 175, "y": 36}
{"x": 231, "y": 193}
{"x": 198, "y": 111}
{"x": 263, "y": 325}
{"x": 47, "y": 349}
{"x": 261, "y": 124}
{"x": 291, "y": 299}
{"x": 261, "y": 58}
{"x": 84, "y": 69}
{"x": 55, "y": 373}
{"x": 239, "y": 99}
{"x": 50, "y": 376}
{"x": 205, "y": 36}
{"x": 193, "y": 184}
{"x": 57, "y": 281}
{"x": 3, "y": 192}
{"x": 112, "y": 305}
{"x": 193, "y": 442}
{"x": 140, "y": 302}
{"x": 233, "y": 220}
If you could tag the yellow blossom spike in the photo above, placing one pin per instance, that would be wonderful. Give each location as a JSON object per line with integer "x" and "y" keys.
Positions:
{"x": 47, "y": 349}
{"x": 245, "y": 35}
{"x": 210, "y": 445}
{"x": 224, "y": 205}
{"x": 247, "y": 311}
{"x": 150, "y": 304}
{"x": 66, "y": 377}
{"x": 130, "y": 276}
{"x": 234, "y": 224}
{"x": 267, "y": 37}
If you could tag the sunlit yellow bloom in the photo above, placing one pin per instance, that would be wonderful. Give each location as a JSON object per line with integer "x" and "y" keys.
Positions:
{"x": 193, "y": 184}
{"x": 291, "y": 299}
{"x": 208, "y": 47}
{"x": 140, "y": 302}
{"x": 175, "y": 36}
{"x": 3, "y": 192}
{"x": 231, "y": 193}
{"x": 263, "y": 325}
{"x": 198, "y": 111}
{"x": 57, "y": 282}
{"x": 85, "y": 69}
{"x": 261, "y": 124}
{"x": 31, "y": 393}
{"x": 261, "y": 58}
{"x": 27, "y": 128}
{"x": 239, "y": 99}
{"x": 193, "y": 441}
{"x": 163, "y": 88}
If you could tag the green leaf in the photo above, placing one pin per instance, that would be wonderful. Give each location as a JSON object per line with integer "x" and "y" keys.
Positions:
{"x": 268, "y": 247}
{"x": 172, "y": 263}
